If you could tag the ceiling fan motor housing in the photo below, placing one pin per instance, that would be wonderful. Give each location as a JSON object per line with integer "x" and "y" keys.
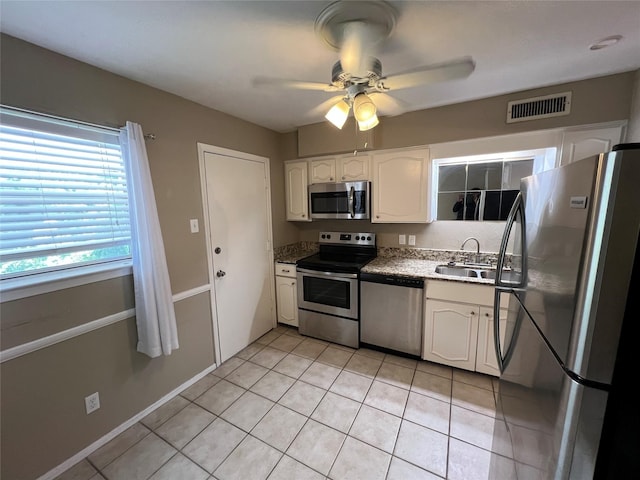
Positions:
{"x": 343, "y": 80}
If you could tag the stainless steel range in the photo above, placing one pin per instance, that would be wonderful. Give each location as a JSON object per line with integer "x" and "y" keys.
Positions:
{"x": 329, "y": 287}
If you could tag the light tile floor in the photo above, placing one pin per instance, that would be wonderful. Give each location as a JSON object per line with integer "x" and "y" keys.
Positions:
{"x": 291, "y": 407}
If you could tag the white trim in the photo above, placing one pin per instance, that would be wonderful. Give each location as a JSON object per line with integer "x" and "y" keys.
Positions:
{"x": 44, "y": 342}
{"x": 70, "y": 462}
{"x": 70, "y": 333}
{"x": 190, "y": 293}
{"x": 41, "y": 283}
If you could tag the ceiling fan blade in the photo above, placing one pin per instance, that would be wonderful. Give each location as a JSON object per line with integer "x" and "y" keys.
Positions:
{"x": 296, "y": 84}
{"x": 388, "y": 105}
{"x": 428, "y": 74}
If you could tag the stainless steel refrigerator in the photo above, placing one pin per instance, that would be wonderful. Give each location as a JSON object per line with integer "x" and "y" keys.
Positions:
{"x": 565, "y": 402}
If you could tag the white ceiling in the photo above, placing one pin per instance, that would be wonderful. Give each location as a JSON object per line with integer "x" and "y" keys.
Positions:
{"x": 209, "y": 51}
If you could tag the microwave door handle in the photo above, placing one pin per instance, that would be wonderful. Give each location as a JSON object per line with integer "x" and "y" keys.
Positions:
{"x": 352, "y": 202}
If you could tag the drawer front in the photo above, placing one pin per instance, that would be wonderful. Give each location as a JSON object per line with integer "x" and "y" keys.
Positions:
{"x": 463, "y": 292}
{"x": 286, "y": 270}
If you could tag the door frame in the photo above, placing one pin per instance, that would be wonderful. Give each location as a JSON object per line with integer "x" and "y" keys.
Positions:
{"x": 205, "y": 148}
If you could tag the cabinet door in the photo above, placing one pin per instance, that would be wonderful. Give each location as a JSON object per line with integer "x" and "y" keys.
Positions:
{"x": 585, "y": 143}
{"x": 351, "y": 169}
{"x": 486, "y": 361}
{"x": 295, "y": 174}
{"x": 322, "y": 170}
{"x": 287, "y": 302}
{"x": 400, "y": 187}
{"x": 451, "y": 333}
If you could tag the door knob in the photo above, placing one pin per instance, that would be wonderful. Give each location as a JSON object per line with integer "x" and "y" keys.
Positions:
{"x": 220, "y": 273}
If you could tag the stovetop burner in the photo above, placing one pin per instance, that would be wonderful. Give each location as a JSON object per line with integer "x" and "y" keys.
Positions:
{"x": 341, "y": 252}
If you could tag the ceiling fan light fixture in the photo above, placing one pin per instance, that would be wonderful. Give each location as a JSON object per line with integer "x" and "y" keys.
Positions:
{"x": 363, "y": 108}
{"x": 338, "y": 114}
{"x": 368, "y": 124}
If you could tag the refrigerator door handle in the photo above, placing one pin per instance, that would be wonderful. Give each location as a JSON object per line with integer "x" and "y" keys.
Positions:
{"x": 504, "y": 357}
{"x": 511, "y": 220}
{"x": 496, "y": 329}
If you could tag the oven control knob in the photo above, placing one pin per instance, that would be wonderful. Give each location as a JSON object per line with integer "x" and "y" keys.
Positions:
{"x": 358, "y": 238}
{"x": 368, "y": 238}
{"x": 328, "y": 236}
{"x": 323, "y": 236}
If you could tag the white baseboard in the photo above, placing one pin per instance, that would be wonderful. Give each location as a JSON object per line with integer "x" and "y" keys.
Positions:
{"x": 67, "y": 464}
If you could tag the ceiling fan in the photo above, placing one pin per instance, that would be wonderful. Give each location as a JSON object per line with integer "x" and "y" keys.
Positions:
{"x": 355, "y": 29}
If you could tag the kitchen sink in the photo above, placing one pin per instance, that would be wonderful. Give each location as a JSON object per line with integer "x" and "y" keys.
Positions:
{"x": 459, "y": 271}
{"x": 469, "y": 271}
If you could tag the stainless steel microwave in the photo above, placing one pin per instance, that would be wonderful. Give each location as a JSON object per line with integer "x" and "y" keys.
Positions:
{"x": 343, "y": 200}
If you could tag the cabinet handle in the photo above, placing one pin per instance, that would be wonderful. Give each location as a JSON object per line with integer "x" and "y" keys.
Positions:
{"x": 293, "y": 283}
{"x": 377, "y": 216}
{"x": 286, "y": 271}
{"x": 303, "y": 215}
{"x": 331, "y": 178}
{"x": 486, "y": 314}
{"x": 343, "y": 177}
{"x": 472, "y": 312}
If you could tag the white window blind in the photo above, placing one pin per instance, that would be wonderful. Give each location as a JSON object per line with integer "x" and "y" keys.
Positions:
{"x": 63, "y": 195}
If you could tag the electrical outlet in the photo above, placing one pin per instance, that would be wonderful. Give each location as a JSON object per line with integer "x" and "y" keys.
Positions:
{"x": 412, "y": 239}
{"x": 402, "y": 239}
{"x": 194, "y": 225}
{"x": 92, "y": 402}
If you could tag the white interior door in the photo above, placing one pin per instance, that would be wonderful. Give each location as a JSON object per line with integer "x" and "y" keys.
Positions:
{"x": 241, "y": 259}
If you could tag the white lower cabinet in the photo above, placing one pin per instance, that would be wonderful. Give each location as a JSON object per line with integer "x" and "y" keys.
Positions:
{"x": 460, "y": 333}
{"x": 286, "y": 294}
{"x": 451, "y": 333}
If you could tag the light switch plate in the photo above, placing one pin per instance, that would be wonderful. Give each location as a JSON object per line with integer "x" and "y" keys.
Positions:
{"x": 402, "y": 239}
{"x": 412, "y": 239}
{"x": 194, "y": 225}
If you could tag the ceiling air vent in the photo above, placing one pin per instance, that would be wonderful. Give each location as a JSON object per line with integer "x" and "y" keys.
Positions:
{"x": 554, "y": 105}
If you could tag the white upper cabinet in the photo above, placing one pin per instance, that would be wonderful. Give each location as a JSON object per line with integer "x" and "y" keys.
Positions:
{"x": 580, "y": 144}
{"x": 322, "y": 170}
{"x": 400, "y": 184}
{"x": 297, "y": 198}
{"x": 352, "y": 168}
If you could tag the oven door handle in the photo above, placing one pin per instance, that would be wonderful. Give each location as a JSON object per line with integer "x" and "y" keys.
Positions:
{"x": 314, "y": 273}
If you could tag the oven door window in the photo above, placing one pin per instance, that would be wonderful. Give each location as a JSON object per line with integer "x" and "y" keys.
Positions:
{"x": 325, "y": 291}
{"x": 330, "y": 202}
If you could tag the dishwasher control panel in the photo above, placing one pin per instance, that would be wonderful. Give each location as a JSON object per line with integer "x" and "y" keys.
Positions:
{"x": 392, "y": 280}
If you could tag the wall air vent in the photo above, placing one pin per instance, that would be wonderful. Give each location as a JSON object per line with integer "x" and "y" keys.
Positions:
{"x": 548, "y": 106}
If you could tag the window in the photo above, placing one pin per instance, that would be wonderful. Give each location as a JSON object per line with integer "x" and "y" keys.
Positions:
{"x": 484, "y": 187}
{"x": 63, "y": 196}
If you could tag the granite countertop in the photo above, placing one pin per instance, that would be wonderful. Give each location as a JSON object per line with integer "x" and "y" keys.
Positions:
{"x": 416, "y": 268}
{"x": 407, "y": 262}
{"x": 294, "y": 257}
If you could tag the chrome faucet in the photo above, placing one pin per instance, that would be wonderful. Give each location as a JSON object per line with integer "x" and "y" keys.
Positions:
{"x": 477, "y": 247}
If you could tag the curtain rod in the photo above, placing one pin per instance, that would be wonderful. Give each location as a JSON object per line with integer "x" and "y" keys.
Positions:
{"x": 62, "y": 120}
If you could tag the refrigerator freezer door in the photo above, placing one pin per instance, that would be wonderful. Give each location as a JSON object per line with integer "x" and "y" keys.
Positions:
{"x": 557, "y": 205}
{"x": 547, "y": 425}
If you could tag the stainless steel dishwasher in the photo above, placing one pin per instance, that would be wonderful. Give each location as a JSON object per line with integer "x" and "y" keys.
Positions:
{"x": 391, "y": 312}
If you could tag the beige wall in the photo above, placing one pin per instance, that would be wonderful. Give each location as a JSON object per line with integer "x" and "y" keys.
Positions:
{"x": 604, "y": 99}
{"x": 43, "y": 418}
{"x": 633, "y": 133}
